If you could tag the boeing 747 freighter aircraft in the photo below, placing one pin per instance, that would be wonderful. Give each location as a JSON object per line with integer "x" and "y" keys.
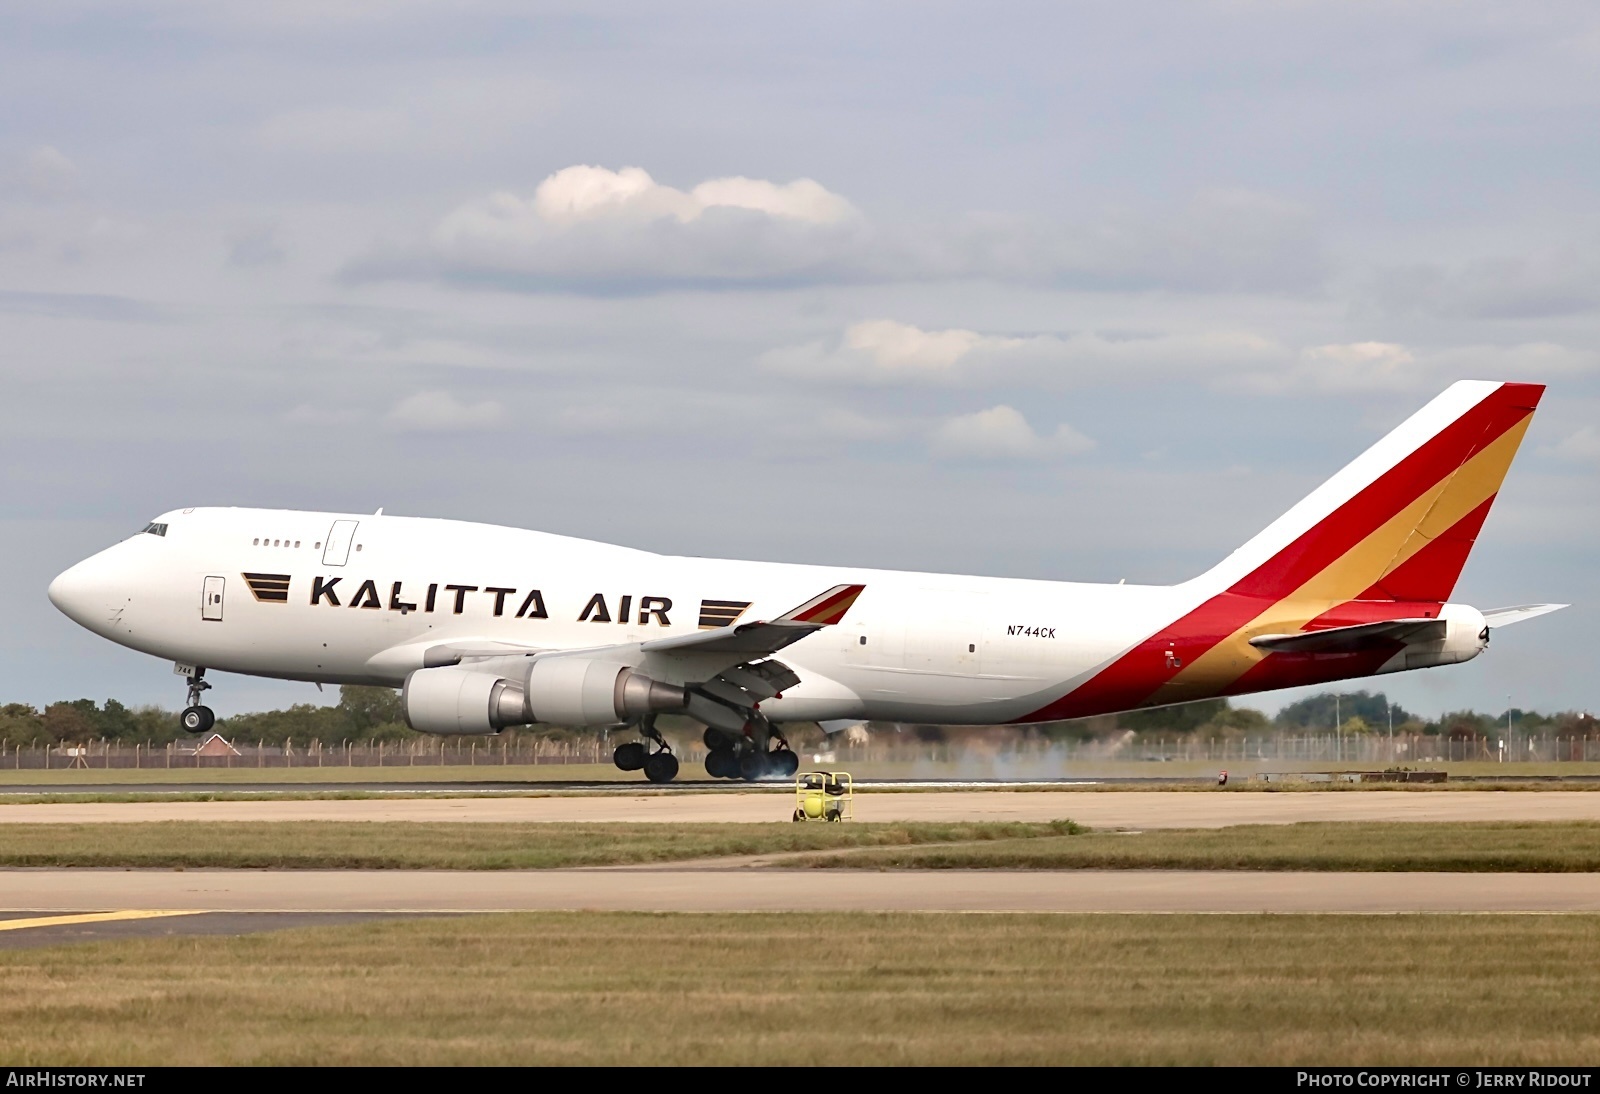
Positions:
{"x": 487, "y": 627}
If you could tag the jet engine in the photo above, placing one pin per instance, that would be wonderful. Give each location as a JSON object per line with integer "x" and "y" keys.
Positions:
{"x": 569, "y": 691}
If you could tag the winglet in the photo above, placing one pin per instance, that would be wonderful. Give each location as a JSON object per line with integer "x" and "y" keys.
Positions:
{"x": 821, "y": 611}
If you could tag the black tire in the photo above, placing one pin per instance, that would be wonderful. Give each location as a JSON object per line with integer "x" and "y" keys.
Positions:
{"x": 722, "y": 764}
{"x": 784, "y": 762}
{"x": 629, "y": 757}
{"x": 799, "y": 815}
{"x": 197, "y": 719}
{"x": 752, "y": 765}
{"x": 661, "y": 767}
{"x": 718, "y": 739}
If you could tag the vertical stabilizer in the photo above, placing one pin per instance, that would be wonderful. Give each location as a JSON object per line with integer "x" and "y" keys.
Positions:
{"x": 1398, "y": 522}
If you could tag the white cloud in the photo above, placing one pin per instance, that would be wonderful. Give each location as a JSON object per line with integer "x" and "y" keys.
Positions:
{"x": 592, "y": 229}
{"x": 1001, "y": 432}
{"x": 893, "y": 345}
{"x": 885, "y": 351}
{"x": 1359, "y": 366}
{"x": 441, "y": 412}
{"x": 591, "y": 193}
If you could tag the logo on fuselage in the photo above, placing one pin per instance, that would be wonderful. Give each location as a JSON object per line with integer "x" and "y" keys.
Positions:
{"x": 273, "y": 588}
{"x": 343, "y": 591}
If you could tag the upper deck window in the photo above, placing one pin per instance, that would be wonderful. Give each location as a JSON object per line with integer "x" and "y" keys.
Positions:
{"x": 155, "y": 529}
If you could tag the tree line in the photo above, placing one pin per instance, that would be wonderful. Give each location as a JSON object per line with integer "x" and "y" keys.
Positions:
{"x": 1353, "y": 712}
{"x": 373, "y": 714}
{"x": 362, "y": 714}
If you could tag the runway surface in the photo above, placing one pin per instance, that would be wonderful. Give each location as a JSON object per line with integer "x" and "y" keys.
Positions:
{"x": 684, "y": 889}
{"x": 1118, "y": 809}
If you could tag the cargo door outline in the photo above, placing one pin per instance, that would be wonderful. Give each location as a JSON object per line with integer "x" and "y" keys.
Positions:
{"x": 211, "y": 599}
{"x": 336, "y": 552}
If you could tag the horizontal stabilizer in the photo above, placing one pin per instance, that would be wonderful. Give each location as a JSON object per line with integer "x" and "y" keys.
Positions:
{"x": 1363, "y": 636}
{"x": 1504, "y": 617}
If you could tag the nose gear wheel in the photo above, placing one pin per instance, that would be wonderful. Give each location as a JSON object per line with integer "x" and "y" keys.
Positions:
{"x": 197, "y": 718}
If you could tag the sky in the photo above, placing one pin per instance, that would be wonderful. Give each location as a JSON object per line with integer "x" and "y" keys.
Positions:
{"x": 1058, "y": 290}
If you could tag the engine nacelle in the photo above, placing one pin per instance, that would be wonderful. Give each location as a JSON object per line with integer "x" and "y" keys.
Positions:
{"x": 569, "y": 691}
{"x": 456, "y": 700}
{"x": 581, "y": 691}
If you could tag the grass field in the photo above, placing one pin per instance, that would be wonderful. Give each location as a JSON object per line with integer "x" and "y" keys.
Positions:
{"x": 1487, "y": 846}
{"x": 1531, "y": 847}
{"x": 455, "y": 846}
{"x": 609, "y": 988}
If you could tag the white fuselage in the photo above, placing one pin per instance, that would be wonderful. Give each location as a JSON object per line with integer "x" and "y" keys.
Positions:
{"x": 363, "y": 608}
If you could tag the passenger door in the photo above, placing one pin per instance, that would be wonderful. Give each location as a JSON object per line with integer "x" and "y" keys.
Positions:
{"x": 336, "y": 551}
{"x": 211, "y": 600}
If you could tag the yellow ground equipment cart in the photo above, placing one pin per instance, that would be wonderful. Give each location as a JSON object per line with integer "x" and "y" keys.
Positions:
{"x": 824, "y": 796}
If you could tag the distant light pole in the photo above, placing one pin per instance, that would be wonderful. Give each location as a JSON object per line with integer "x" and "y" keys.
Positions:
{"x": 1338, "y": 728}
{"x": 1389, "y": 709}
{"x": 1510, "y": 744}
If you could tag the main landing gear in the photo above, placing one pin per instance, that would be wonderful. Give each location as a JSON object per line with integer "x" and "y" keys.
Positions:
{"x": 660, "y": 766}
{"x": 747, "y": 756}
{"x": 196, "y": 718}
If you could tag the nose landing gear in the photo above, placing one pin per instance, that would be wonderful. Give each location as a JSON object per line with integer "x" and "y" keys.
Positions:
{"x": 196, "y": 718}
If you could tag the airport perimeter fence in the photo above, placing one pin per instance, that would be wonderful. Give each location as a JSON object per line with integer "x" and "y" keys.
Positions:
{"x": 1020, "y": 758}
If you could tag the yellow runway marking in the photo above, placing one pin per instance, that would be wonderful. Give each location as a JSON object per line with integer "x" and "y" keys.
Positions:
{"x": 87, "y": 917}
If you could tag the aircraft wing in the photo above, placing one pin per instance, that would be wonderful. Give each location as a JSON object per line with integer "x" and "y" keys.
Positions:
{"x": 1504, "y": 617}
{"x": 1362, "y": 636}
{"x": 726, "y": 672}
{"x": 757, "y": 639}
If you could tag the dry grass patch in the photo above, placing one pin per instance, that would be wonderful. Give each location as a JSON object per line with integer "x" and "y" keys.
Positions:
{"x": 846, "y": 989}
{"x": 1488, "y": 846}
{"x": 326, "y": 845}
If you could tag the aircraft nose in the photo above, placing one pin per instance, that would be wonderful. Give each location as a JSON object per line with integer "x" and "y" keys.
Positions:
{"x": 83, "y": 593}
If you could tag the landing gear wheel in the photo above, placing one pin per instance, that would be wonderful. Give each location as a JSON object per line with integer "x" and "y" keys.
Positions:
{"x": 721, "y": 763}
{"x": 197, "y": 719}
{"x": 630, "y": 757}
{"x": 784, "y": 762}
{"x": 752, "y": 765}
{"x": 716, "y": 739}
{"x": 661, "y": 767}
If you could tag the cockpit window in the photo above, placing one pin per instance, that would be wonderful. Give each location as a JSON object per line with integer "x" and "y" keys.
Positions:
{"x": 155, "y": 529}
